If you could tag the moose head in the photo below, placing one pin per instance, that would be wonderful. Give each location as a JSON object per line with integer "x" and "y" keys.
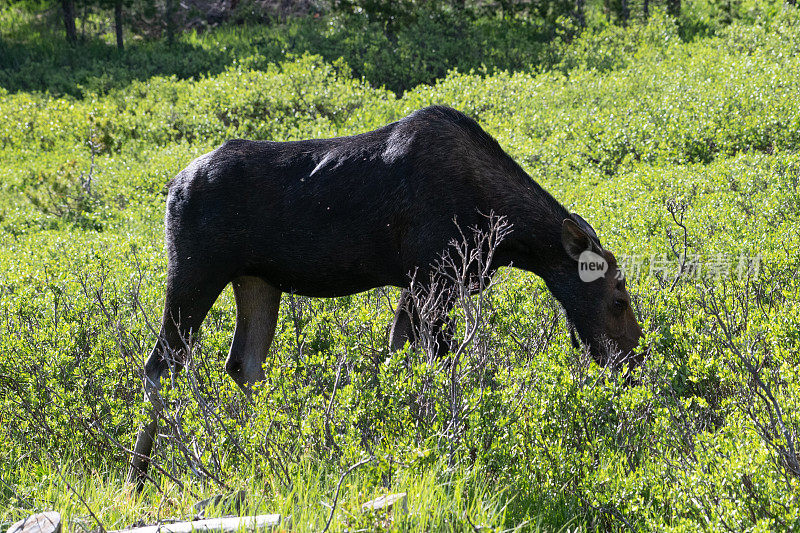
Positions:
{"x": 595, "y": 297}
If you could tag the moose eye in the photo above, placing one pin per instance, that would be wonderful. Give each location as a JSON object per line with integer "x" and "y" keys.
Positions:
{"x": 620, "y": 304}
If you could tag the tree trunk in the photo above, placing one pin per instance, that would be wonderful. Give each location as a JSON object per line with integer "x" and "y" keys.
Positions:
{"x": 646, "y": 9}
{"x": 68, "y": 7}
{"x": 84, "y": 18}
{"x": 624, "y": 12}
{"x": 580, "y": 16}
{"x": 674, "y": 8}
{"x": 169, "y": 7}
{"x": 118, "y": 24}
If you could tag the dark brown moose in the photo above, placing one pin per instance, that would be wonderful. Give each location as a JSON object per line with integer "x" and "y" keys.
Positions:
{"x": 331, "y": 217}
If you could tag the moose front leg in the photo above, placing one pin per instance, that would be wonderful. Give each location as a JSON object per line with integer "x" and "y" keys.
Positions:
{"x": 403, "y": 325}
{"x": 407, "y": 327}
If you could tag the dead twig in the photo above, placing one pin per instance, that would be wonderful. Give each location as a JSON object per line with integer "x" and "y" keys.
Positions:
{"x": 339, "y": 486}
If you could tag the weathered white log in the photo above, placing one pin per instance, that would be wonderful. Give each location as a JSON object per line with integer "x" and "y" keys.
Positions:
{"x": 217, "y": 525}
{"x": 47, "y": 522}
{"x": 390, "y": 502}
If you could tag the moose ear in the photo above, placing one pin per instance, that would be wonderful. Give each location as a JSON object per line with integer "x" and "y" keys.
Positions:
{"x": 575, "y": 240}
{"x": 585, "y": 226}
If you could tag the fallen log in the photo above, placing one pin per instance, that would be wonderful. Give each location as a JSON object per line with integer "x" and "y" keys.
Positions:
{"x": 231, "y": 524}
{"x": 388, "y": 503}
{"x": 48, "y": 522}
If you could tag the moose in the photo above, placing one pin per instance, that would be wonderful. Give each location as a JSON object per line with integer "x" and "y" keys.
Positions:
{"x": 332, "y": 217}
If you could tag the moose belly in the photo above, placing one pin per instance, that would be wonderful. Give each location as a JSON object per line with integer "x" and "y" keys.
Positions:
{"x": 325, "y": 261}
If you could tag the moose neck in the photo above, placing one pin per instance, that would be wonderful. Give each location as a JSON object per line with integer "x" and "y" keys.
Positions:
{"x": 534, "y": 243}
{"x": 536, "y": 219}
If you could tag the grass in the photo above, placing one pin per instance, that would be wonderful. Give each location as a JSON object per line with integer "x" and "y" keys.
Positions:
{"x": 440, "y": 498}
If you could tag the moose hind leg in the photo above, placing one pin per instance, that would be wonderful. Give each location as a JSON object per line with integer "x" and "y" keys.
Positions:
{"x": 257, "y": 304}
{"x": 187, "y": 302}
{"x": 189, "y": 298}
